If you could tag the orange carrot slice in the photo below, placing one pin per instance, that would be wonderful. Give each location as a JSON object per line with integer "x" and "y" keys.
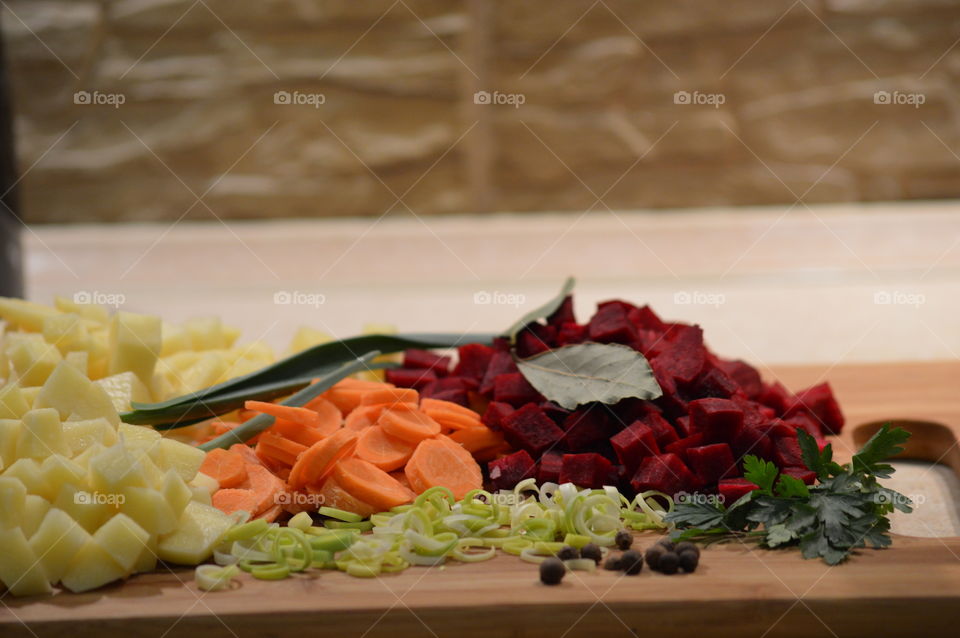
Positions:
{"x": 474, "y": 439}
{"x": 390, "y": 396}
{"x": 274, "y": 447}
{"x": 415, "y": 479}
{"x": 408, "y": 423}
{"x": 296, "y": 432}
{"x": 440, "y": 461}
{"x": 265, "y": 485}
{"x": 233, "y": 500}
{"x": 491, "y": 453}
{"x": 363, "y": 417}
{"x": 348, "y": 393}
{"x": 317, "y": 461}
{"x": 427, "y": 404}
{"x": 247, "y": 452}
{"x": 303, "y": 416}
{"x": 450, "y": 420}
{"x": 401, "y": 478}
{"x": 371, "y": 484}
{"x": 379, "y": 448}
{"x": 332, "y": 494}
{"x": 330, "y": 418}
{"x": 229, "y": 468}
{"x": 271, "y": 514}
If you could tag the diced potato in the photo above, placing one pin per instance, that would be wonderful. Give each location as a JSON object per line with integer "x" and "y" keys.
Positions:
{"x": 200, "y": 529}
{"x": 30, "y": 393}
{"x": 9, "y": 434}
{"x": 174, "y": 339}
{"x": 141, "y": 440}
{"x": 149, "y": 509}
{"x": 79, "y": 360}
{"x": 147, "y": 562}
{"x": 90, "y": 312}
{"x": 77, "y": 503}
{"x": 41, "y": 435}
{"x": 123, "y": 539}
{"x": 200, "y": 495}
{"x": 307, "y": 337}
{"x": 206, "y": 333}
{"x": 13, "y": 404}
{"x": 13, "y": 497}
{"x": 57, "y": 470}
{"x": 135, "y": 342}
{"x": 72, "y": 394}
{"x": 183, "y": 458}
{"x": 20, "y": 570}
{"x": 33, "y": 361}
{"x": 91, "y": 567}
{"x": 205, "y": 482}
{"x": 125, "y": 388}
{"x": 34, "y": 509}
{"x": 28, "y": 472}
{"x": 56, "y": 541}
{"x": 205, "y": 372}
{"x": 114, "y": 469}
{"x": 80, "y": 435}
{"x": 25, "y": 315}
{"x": 176, "y": 492}
{"x": 65, "y": 331}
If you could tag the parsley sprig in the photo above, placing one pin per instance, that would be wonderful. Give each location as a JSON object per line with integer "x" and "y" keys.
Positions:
{"x": 846, "y": 509}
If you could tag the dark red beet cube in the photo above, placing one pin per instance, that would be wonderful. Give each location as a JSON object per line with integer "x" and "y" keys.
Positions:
{"x": 534, "y": 339}
{"x": 416, "y": 378}
{"x": 460, "y": 397}
{"x": 414, "y": 358}
{"x": 683, "y": 426}
{"x": 557, "y": 414}
{"x": 733, "y": 489}
{"x": 570, "y": 334}
{"x": 672, "y": 404}
{"x": 718, "y": 419}
{"x": 665, "y": 433}
{"x": 500, "y": 363}
{"x": 610, "y": 324}
{"x": 529, "y": 428}
{"x": 585, "y": 470}
{"x": 509, "y": 470}
{"x": 807, "y": 476}
{"x": 821, "y": 404}
{"x": 712, "y": 462}
{"x": 776, "y": 396}
{"x": 685, "y": 355}
{"x": 803, "y": 420}
{"x": 786, "y": 452}
{"x": 563, "y": 314}
{"x": 513, "y": 388}
{"x": 744, "y": 374}
{"x": 715, "y": 383}
{"x": 751, "y": 440}
{"x": 495, "y": 413}
{"x": 473, "y": 361}
{"x": 585, "y": 427}
{"x": 753, "y": 413}
{"x": 778, "y": 428}
{"x": 549, "y": 468}
{"x": 646, "y": 319}
{"x": 681, "y": 446}
{"x": 634, "y": 443}
{"x": 666, "y": 473}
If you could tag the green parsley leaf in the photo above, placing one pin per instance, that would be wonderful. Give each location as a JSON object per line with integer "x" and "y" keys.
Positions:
{"x": 791, "y": 487}
{"x": 759, "y": 472}
{"x": 778, "y": 535}
{"x": 884, "y": 444}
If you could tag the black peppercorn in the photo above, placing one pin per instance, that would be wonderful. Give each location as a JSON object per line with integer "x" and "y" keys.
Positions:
{"x": 552, "y": 571}
{"x": 689, "y": 561}
{"x": 568, "y": 553}
{"x": 666, "y": 543}
{"x": 687, "y": 546}
{"x": 613, "y": 564}
{"x": 623, "y": 539}
{"x": 592, "y": 552}
{"x": 653, "y": 555}
{"x": 669, "y": 562}
{"x": 631, "y": 562}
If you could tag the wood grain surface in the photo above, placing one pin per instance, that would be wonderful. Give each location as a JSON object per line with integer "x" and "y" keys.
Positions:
{"x": 912, "y": 589}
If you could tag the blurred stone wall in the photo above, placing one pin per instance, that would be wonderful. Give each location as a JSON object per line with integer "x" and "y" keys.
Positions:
{"x": 162, "y": 109}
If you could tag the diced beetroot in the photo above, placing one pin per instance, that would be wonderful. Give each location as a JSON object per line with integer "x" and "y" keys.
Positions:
{"x": 681, "y": 446}
{"x": 410, "y": 377}
{"x": 513, "y": 388}
{"x": 672, "y": 404}
{"x": 683, "y": 426}
{"x": 751, "y": 440}
{"x": 563, "y": 314}
{"x": 684, "y": 357}
{"x": 634, "y": 443}
{"x": 529, "y": 428}
{"x": 495, "y": 413}
{"x": 712, "y": 462}
{"x": 611, "y": 325}
{"x": 629, "y": 410}
{"x": 805, "y": 421}
{"x": 786, "y": 451}
{"x": 534, "y": 339}
{"x": 473, "y": 361}
{"x": 733, "y": 489}
{"x": 585, "y": 470}
{"x": 626, "y": 306}
{"x": 645, "y": 318}
{"x": 753, "y": 413}
{"x": 777, "y": 428}
{"x": 460, "y": 397}
{"x": 666, "y": 473}
{"x": 662, "y": 429}
{"x": 807, "y": 476}
{"x": 500, "y": 363}
{"x": 557, "y": 414}
{"x": 571, "y": 333}
{"x": 455, "y": 383}
{"x": 509, "y": 470}
{"x": 718, "y": 419}
{"x": 715, "y": 383}
{"x": 549, "y": 470}
{"x": 775, "y": 396}
{"x": 586, "y": 426}
{"x": 744, "y": 374}
{"x": 650, "y": 343}
{"x": 414, "y": 358}
{"x": 819, "y": 402}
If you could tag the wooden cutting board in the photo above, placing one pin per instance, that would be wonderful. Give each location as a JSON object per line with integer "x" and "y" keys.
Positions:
{"x": 912, "y": 589}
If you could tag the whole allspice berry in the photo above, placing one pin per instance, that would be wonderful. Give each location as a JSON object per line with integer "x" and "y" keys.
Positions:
{"x": 653, "y": 555}
{"x": 631, "y": 562}
{"x": 669, "y": 562}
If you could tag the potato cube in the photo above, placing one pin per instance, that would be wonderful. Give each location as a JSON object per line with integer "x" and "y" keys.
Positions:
{"x": 135, "y": 342}
{"x": 33, "y": 361}
{"x": 200, "y": 529}
{"x": 115, "y": 468}
{"x": 75, "y": 396}
{"x": 176, "y": 492}
{"x": 41, "y": 435}
{"x": 25, "y": 315}
{"x": 34, "y": 509}
{"x": 80, "y": 505}
{"x": 91, "y": 567}
{"x": 13, "y": 497}
{"x": 125, "y": 388}
{"x": 9, "y": 434}
{"x": 13, "y": 405}
{"x": 28, "y": 472}
{"x": 56, "y": 541}
{"x": 149, "y": 509}
{"x": 88, "y": 311}
{"x": 80, "y": 435}
{"x": 20, "y": 570}
{"x": 123, "y": 539}
{"x": 183, "y": 458}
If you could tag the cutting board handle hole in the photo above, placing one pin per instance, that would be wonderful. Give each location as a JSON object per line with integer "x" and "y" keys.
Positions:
{"x": 929, "y": 441}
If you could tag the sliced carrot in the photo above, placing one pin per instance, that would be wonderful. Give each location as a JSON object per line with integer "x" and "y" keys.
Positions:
{"x": 296, "y": 432}
{"x": 371, "y": 484}
{"x": 414, "y": 478}
{"x": 450, "y": 420}
{"x": 491, "y": 453}
{"x": 229, "y": 468}
{"x": 274, "y": 447}
{"x": 303, "y": 416}
{"x": 408, "y": 423}
{"x": 427, "y": 404}
{"x": 232, "y": 500}
{"x": 348, "y": 393}
{"x": 266, "y": 486}
{"x": 271, "y": 514}
{"x": 330, "y": 418}
{"x": 401, "y": 478}
{"x": 317, "y": 461}
{"x": 474, "y": 439}
{"x": 390, "y": 396}
{"x": 440, "y": 461}
{"x": 247, "y": 452}
{"x": 332, "y": 494}
{"x": 379, "y": 448}
{"x": 363, "y": 417}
